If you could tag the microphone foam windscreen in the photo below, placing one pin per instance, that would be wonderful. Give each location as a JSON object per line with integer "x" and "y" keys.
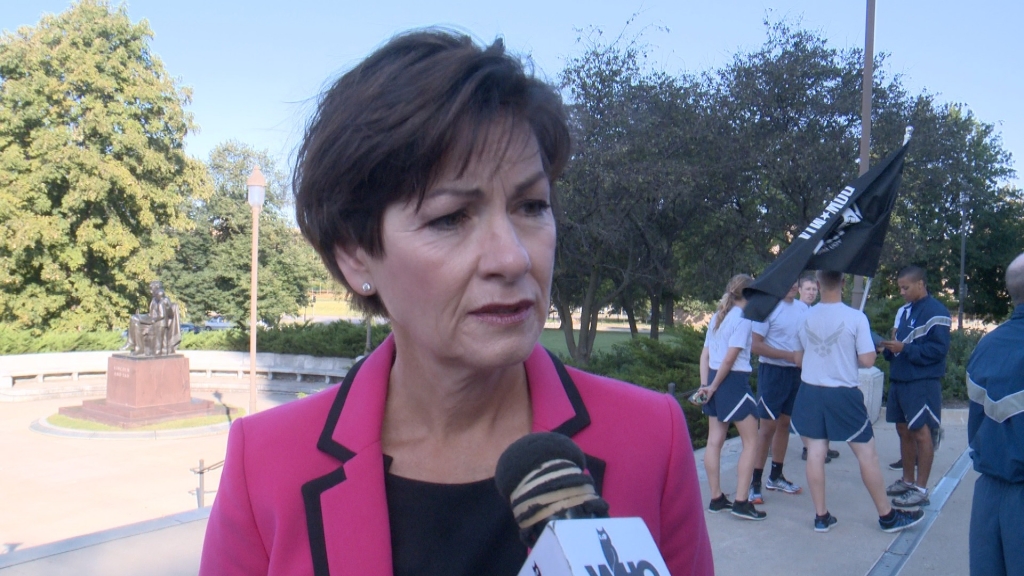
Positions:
{"x": 542, "y": 476}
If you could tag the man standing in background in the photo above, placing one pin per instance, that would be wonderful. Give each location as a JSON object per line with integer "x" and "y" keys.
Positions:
{"x": 778, "y": 380}
{"x": 917, "y": 359}
{"x": 995, "y": 432}
{"x": 809, "y": 296}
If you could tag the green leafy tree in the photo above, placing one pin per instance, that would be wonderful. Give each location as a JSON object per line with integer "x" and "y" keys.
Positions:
{"x": 94, "y": 180}
{"x": 955, "y": 181}
{"x": 212, "y": 270}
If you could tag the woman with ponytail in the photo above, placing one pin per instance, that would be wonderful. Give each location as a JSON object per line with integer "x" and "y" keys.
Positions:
{"x": 725, "y": 375}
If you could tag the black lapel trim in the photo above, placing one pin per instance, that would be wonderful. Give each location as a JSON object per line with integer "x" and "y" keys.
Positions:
{"x": 312, "y": 490}
{"x": 326, "y": 443}
{"x": 596, "y": 468}
{"x": 582, "y": 418}
{"x": 578, "y": 422}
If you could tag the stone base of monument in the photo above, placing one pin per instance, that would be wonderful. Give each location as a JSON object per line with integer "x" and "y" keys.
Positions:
{"x": 144, "y": 390}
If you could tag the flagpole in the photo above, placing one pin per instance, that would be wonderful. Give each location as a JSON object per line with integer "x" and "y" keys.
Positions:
{"x": 864, "y": 300}
{"x": 859, "y": 293}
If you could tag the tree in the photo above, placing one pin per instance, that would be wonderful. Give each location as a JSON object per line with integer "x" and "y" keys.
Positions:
{"x": 619, "y": 201}
{"x": 211, "y": 272}
{"x": 955, "y": 181}
{"x": 94, "y": 180}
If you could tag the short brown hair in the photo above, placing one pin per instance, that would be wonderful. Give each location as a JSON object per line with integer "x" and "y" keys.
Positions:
{"x": 383, "y": 132}
{"x": 830, "y": 279}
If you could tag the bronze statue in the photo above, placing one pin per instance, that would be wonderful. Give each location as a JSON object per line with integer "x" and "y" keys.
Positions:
{"x": 157, "y": 333}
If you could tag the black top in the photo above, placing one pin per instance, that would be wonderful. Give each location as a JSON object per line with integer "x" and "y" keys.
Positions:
{"x": 451, "y": 529}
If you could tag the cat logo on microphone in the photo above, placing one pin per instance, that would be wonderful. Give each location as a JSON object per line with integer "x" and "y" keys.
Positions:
{"x": 616, "y": 568}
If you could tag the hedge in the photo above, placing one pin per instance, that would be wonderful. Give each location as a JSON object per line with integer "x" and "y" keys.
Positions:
{"x": 341, "y": 339}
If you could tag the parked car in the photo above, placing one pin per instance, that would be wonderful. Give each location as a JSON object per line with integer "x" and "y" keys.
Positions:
{"x": 217, "y": 323}
{"x": 190, "y": 327}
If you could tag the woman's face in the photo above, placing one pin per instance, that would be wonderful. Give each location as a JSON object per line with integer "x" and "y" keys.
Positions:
{"x": 808, "y": 292}
{"x": 466, "y": 278}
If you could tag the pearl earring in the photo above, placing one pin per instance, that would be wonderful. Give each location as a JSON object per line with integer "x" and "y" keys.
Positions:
{"x": 366, "y": 287}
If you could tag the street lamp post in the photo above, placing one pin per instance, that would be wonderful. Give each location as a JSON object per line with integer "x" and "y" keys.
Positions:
{"x": 857, "y": 297}
{"x": 257, "y": 188}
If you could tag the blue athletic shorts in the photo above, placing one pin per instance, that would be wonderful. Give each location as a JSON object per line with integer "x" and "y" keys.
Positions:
{"x": 835, "y": 414}
{"x": 915, "y": 403}
{"x": 734, "y": 400}
{"x": 776, "y": 390}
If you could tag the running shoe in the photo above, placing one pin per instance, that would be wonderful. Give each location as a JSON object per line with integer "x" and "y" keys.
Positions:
{"x": 754, "y": 494}
{"x": 832, "y": 455}
{"x": 782, "y": 485}
{"x": 898, "y": 465}
{"x": 747, "y": 511}
{"x": 899, "y": 487}
{"x": 823, "y": 523}
{"x": 828, "y": 455}
{"x": 720, "y": 504}
{"x": 912, "y": 498}
{"x": 901, "y": 520}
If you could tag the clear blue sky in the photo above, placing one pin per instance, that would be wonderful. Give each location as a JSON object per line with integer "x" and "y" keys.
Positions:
{"x": 255, "y": 66}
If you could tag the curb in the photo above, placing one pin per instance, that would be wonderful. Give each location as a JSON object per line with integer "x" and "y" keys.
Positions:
{"x": 102, "y": 537}
{"x": 42, "y": 426}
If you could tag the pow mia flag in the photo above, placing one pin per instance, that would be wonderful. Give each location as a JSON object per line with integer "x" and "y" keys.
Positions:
{"x": 846, "y": 237}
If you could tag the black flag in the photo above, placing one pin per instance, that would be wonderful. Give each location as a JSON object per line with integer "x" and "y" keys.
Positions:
{"x": 846, "y": 237}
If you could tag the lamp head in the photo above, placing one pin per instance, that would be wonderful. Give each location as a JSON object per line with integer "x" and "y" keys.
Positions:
{"x": 257, "y": 186}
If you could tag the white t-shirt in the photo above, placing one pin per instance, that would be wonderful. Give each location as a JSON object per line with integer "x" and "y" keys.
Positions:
{"x": 833, "y": 335}
{"x": 781, "y": 328}
{"x": 734, "y": 333}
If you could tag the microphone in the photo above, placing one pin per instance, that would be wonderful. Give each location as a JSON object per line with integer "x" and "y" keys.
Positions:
{"x": 563, "y": 519}
{"x": 541, "y": 475}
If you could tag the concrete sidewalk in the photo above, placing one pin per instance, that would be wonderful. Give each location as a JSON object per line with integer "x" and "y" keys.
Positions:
{"x": 88, "y": 493}
{"x": 786, "y": 543}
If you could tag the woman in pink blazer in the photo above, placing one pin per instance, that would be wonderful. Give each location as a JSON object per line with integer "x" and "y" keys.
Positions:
{"x": 424, "y": 182}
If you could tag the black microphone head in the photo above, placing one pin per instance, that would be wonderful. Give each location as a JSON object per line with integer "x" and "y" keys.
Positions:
{"x": 541, "y": 475}
{"x": 529, "y": 453}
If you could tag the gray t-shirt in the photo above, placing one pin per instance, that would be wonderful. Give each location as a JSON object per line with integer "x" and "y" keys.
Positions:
{"x": 733, "y": 333}
{"x": 780, "y": 330}
{"x": 833, "y": 336}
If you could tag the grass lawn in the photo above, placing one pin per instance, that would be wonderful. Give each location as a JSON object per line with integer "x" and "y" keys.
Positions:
{"x": 326, "y": 306}
{"x": 554, "y": 339}
{"x": 62, "y": 421}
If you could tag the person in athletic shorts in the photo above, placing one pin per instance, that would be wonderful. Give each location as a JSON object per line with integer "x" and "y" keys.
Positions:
{"x": 809, "y": 296}
{"x": 725, "y": 374}
{"x": 778, "y": 379}
{"x": 995, "y": 432}
{"x": 834, "y": 342}
{"x": 917, "y": 363}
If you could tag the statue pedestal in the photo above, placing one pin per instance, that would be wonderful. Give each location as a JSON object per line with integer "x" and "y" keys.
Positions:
{"x": 143, "y": 390}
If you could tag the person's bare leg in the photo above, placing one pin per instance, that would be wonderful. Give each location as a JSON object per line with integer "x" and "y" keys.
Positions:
{"x": 925, "y": 454}
{"x": 780, "y": 440}
{"x": 745, "y": 468}
{"x": 713, "y": 455}
{"x": 765, "y": 437}
{"x": 908, "y": 451}
{"x": 871, "y": 474}
{"x": 816, "y": 452}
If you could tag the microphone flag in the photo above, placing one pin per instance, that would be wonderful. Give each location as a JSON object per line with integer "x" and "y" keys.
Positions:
{"x": 595, "y": 547}
{"x": 847, "y": 237}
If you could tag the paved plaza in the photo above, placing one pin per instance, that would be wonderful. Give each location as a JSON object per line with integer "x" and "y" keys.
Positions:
{"x": 101, "y": 506}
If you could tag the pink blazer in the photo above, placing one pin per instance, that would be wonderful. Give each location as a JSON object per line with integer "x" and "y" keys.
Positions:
{"x": 302, "y": 491}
